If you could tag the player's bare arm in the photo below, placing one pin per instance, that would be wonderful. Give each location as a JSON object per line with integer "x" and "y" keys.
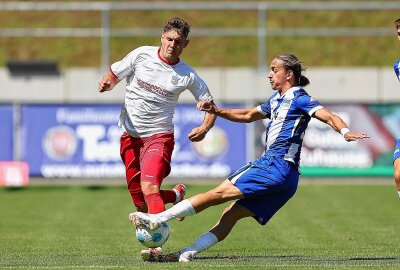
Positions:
{"x": 197, "y": 134}
{"x": 339, "y": 125}
{"x": 235, "y": 115}
{"x": 108, "y": 82}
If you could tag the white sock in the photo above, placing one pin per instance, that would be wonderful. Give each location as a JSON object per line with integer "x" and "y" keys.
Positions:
{"x": 204, "y": 242}
{"x": 178, "y": 196}
{"x": 182, "y": 209}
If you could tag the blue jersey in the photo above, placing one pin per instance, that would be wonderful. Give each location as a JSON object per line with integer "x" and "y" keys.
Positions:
{"x": 396, "y": 67}
{"x": 290, "y": 115}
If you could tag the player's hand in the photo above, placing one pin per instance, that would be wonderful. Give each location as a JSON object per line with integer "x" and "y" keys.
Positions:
{"x": 355, "y": 135}
{"x": 207, "y": 106}
{"x": 197, "y": 134}
{"x": 104, "y": 85}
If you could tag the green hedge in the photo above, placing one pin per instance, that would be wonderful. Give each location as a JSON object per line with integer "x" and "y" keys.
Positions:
{"x": 206, "y": 51}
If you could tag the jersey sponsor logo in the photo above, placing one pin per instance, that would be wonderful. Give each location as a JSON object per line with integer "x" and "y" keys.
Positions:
{"x": 155, "y": 89}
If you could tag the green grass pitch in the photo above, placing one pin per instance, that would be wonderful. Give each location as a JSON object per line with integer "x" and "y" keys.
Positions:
{"x": 325, "y": 226}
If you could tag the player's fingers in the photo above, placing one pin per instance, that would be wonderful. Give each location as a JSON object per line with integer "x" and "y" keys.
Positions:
{"x": 362, "y": 135}
{"x": 191, "y": 134}
{"x": 104, "y": 85}
{"x": 202, "y": 106}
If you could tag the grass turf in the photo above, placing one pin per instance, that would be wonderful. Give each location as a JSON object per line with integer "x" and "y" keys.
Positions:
{"x": 81, "y": 227}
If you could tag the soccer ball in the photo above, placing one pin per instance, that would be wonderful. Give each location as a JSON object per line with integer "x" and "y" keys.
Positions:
{"x": 152, "y": 238}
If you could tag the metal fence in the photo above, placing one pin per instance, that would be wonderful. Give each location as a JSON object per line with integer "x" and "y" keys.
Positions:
{"x": 261, "y": 31}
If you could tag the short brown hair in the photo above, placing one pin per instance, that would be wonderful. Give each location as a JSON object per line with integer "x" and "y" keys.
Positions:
{"x": 179, "y": 25}
{"x": 397, "y": 23}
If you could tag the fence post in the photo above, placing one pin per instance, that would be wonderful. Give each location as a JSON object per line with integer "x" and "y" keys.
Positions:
{"x": 262, "y": 36}
{"x": 105, "y": 37}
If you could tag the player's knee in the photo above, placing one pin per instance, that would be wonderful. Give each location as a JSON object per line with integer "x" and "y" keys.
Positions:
{"x": 397, "y": 174}
{"x": 149, "y": 188}
{"x": 396, "y": 166}
{"x": 227, "y": 210}
{"x": 231, "y": 214}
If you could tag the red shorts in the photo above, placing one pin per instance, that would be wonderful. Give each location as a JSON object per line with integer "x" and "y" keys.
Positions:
{"x": 146, "y": 159}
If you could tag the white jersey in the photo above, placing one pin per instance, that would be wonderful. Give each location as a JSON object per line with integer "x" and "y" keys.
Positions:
{"x": 153, "y": 87}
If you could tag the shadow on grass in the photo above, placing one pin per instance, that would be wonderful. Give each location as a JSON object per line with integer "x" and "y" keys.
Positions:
{"x": 291, "y": 260}
{"x": 35, "y": 188}
{"x": 304, "y": 259}
{"x": 15, "y": 189}
{"x": 96, "y": 187}
{"x": 104, "y": 187}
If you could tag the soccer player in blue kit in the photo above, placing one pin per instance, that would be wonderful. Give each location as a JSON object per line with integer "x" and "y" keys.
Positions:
{"x": 396, "y": 156}
{"x": 260, "y": 188}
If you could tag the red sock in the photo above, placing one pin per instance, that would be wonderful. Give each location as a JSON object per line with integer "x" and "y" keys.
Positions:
{"x": 168, "y": 196}
{"x": 154, "y": 203}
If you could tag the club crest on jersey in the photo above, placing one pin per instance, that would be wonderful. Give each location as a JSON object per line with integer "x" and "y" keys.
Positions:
{"x": 175, "y": 79}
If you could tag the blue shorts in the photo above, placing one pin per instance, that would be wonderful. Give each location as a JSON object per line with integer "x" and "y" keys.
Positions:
{"x": 396, "y": 154}
{"x": 266, "y": 188}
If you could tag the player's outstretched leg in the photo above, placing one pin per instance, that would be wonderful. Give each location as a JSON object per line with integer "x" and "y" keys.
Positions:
{"x": 226, "y": 191}
{"x": 219, "y": 232}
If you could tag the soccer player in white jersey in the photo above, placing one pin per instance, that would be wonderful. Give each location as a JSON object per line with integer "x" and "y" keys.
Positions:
{"x": 155, "y": 77}
{"x": 396, "y": 155}
{"x": 260, "y": 188}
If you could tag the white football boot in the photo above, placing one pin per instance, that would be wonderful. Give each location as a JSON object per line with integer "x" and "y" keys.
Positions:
{"x": 148, "y": 220}
{"x": 187, "y": 256}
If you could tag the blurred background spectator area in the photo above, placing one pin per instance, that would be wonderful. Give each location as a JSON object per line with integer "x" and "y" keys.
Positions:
{"x": 224, "y": 33}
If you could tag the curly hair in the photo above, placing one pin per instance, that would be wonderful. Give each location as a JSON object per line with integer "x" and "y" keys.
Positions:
{"x": 179, "y": 25}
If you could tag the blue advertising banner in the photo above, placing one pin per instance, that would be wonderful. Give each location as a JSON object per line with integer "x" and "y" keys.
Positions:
{"x": 71, "y": 140}
{"x": 6, "y": 132}
{"x": 83, "y": 141}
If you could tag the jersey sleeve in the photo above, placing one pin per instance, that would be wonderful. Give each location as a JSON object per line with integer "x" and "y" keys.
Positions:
{"x": 396, "y": 67}
{"x": 308, "y": 104}
{"x": 199, "y": 89}
{"x": 265, "y": 108}
{"x": 126, "y": 66}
